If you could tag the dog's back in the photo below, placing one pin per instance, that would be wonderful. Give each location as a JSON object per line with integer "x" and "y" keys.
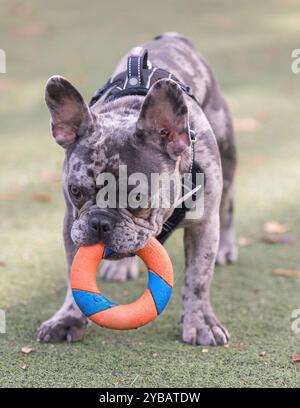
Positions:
{"x": 178, "y": 55}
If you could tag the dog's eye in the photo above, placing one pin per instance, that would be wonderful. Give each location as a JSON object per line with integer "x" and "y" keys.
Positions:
{"x": 75, "y": 191}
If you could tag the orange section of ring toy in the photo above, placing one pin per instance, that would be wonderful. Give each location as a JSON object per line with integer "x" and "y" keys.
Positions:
{"x": 84, "y": 268}
{"x": 157, "y": 260}
{"x": 130, "y": 316}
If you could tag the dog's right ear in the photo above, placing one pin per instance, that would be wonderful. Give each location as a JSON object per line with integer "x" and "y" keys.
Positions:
{"x": 70, "y": 116}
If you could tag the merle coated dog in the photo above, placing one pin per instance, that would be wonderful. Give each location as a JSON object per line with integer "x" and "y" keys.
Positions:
{"x": 148, "y": 133}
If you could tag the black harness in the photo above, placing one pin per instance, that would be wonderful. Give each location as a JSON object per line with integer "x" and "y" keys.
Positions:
{"x": 137, "y": 80}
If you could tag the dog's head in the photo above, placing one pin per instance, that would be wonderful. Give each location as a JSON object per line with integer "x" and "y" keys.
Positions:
{"x": 147, "y": 135}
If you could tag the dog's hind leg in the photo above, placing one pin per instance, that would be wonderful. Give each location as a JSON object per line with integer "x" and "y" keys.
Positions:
{"x": 228, "y": 251}
{"x": 221, "y": 121}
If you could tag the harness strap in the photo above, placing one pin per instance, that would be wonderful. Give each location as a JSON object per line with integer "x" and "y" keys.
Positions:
{"x": 137, "y": 79}
{"x": 137, "y": 68}
{"x": 179, "y": 213}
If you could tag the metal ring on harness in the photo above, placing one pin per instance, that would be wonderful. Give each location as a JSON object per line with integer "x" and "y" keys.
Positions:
{"x": 129, "y": 316}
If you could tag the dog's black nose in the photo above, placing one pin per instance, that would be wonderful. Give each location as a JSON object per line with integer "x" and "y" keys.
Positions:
{"x": 100, "y": 226}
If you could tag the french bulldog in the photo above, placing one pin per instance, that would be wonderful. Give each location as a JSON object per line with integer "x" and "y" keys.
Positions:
{"x": 148, "y": 134}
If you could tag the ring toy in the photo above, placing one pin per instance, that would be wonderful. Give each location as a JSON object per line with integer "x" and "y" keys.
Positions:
{"x": 129, "y": 316}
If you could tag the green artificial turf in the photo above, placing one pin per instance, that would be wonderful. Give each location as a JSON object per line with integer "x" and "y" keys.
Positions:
{"x": 249, "y": 44}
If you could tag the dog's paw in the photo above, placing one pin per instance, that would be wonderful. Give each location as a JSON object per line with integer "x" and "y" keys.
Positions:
{"x": 121, "y": 270}
{"x": 203, "y": 329}
{"x": 228, "y": 251}
{"x": 62, "y": 327}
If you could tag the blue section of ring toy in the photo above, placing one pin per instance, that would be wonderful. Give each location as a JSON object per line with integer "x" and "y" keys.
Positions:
{"x": 108, "y": 251}
{"x": 90, "y": 303}
{"x": 160, "y": 290}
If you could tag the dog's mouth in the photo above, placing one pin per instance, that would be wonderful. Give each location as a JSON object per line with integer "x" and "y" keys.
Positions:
{"x": 115, "y": 256}
{"x": 116, "y": 246}
{"x": 121, "y": 234}
{"x": 114, "y": 251}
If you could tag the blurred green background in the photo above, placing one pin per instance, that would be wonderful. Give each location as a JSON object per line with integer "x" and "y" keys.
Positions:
{"x": 249, "y": 45}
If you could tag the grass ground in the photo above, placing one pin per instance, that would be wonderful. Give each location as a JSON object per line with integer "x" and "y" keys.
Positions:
{"x": 249, "y": 44}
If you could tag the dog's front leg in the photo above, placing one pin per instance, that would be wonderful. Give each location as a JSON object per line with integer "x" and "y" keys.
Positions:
{"x": 199, "y": 322}
{"x": 68, "y": 323}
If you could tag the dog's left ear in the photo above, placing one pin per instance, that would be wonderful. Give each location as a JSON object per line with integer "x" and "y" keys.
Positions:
{"x": 164, "y": 118}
